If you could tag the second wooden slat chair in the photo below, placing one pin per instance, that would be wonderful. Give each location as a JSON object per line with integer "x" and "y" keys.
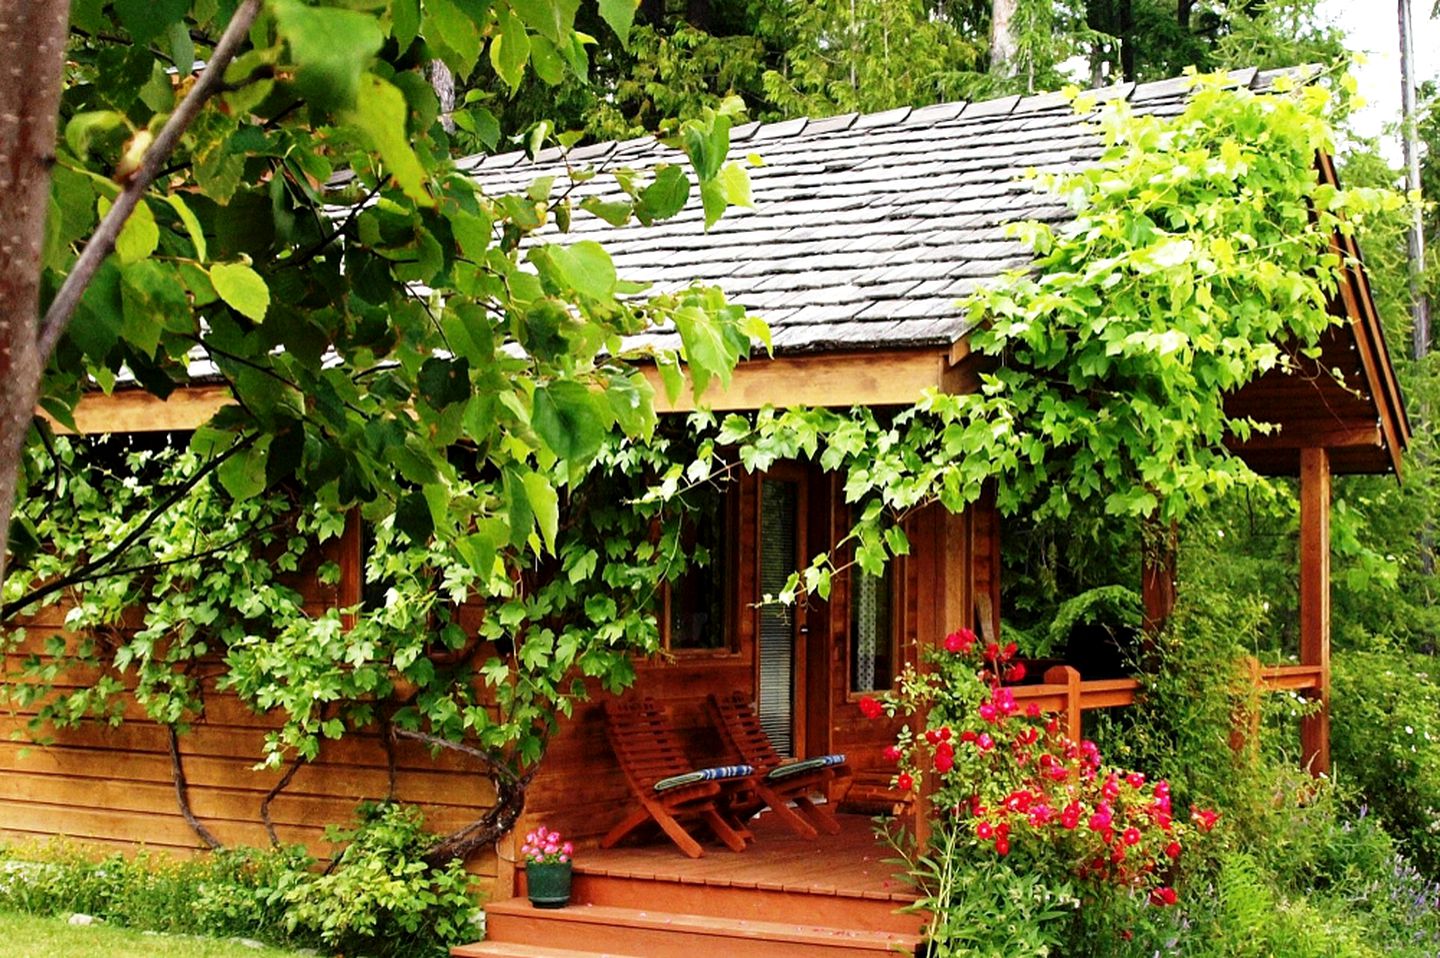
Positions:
{"x": 779, "y": 782}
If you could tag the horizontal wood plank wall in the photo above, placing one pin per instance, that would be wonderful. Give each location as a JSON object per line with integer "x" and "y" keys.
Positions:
{"x": 113, "y": 787}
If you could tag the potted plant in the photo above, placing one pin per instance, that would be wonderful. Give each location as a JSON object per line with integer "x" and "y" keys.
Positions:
{"x": 547, "y": 868}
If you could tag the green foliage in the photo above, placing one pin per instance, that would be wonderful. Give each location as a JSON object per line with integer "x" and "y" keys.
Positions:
{"x": 988, "y": 906}
{"x": 382, "y": 898}
{"x": 1385, "y": 738}
{"x": 215, "y": 577}
{"x": 398, "y": 343}
{"x": 842, "y": 56}
{"x": 1199, "y": 254}
{"x": 220, "y": 895}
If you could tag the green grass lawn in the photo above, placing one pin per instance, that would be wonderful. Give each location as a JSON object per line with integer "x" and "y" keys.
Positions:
{"x": 22, "y": 936}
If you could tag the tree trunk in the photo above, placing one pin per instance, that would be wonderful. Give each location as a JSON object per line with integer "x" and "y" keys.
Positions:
{"x": 1127, "y": 40}
{"x": 1004, "y": 48}
{"x": 1415, "y": 236}
{"x": 443, "y": 83}
{"x": 32, "y": 38}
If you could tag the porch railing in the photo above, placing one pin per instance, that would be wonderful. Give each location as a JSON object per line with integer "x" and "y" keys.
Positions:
{"x": 1064, "y": 691}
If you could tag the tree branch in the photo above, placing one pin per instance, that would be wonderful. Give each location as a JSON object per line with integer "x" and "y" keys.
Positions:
{"x": 501, "y": 770}
{"x": 57, "y": 317}
{"x": 182, "y": 792}
{"x": 280, "y": 786}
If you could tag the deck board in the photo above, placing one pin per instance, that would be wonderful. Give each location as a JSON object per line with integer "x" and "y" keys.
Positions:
{"x": 850, "y": 864}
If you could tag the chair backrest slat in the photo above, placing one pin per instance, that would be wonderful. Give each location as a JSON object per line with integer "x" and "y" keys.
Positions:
{"x": 740, "y": 727}
{"x": 644, "y": 742}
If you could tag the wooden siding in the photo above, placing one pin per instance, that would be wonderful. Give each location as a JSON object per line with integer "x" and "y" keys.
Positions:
{"x": 113, "y": 787}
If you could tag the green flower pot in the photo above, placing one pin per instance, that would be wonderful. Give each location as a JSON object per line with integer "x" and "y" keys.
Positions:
{"x": 548, "y": 884}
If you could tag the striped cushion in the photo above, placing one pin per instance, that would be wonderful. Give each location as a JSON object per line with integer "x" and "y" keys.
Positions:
{"x": 704, "y": 775}
{"x": 806, "y": 765}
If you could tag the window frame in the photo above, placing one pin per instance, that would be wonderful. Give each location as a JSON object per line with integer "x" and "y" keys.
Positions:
{"x": 729, "y": 577}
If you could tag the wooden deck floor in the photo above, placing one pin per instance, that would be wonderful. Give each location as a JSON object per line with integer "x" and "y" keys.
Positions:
{"x": 850, "y": 864}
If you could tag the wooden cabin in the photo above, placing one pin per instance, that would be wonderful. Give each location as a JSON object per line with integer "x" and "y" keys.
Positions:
{"x": 866, "y": 231}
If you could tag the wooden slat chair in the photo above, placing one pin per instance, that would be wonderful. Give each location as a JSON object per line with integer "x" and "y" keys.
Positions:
{"x": 668, "y": 788}
{"x": 778, "y": 782}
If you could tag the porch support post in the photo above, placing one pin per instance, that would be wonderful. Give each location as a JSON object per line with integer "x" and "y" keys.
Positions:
{"x": 351, "y": 587}
{"x": 1315, "y": 601}
{"x": 1157, "y": 576}
{"x": 946, "y": 603}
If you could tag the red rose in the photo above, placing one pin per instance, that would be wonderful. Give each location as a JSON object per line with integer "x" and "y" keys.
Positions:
{"x": 904, "y": 781}
{"x": 871, "y": 708}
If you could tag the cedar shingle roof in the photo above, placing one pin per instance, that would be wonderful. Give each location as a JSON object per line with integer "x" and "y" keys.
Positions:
{"x": 866, "y": 230}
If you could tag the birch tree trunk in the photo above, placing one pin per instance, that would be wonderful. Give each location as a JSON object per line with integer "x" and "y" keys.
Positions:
{"x": 1004, "y": 47}
{"x": 1415, "y": 236}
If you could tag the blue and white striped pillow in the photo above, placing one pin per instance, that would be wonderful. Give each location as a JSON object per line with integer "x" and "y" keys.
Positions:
{"x": 704, "y": 775}
{"x": 805, "y": 765}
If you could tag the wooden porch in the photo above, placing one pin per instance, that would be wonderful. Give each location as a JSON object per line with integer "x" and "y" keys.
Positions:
{"x": 784, "y": 897}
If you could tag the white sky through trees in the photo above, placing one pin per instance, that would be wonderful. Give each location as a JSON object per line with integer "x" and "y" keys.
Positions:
{"x": 1372, "y": 27}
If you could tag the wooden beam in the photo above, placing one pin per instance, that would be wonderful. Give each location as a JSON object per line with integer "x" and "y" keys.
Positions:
{"x": 136, "y": 411}
{"x": 1331, "y": 437}
{"x": 943, "y": 548}
{"x": 870, "y": 378}
{"x": 1315, "y": 601}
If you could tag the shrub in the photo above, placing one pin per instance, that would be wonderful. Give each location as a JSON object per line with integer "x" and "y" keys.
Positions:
{"x": 1005, "y": 780}
{"x": 1385, "y": 737}
{"x": 379, "y": 898}
{"x": 220, "y": 894}
{"x": 382, "y": 897}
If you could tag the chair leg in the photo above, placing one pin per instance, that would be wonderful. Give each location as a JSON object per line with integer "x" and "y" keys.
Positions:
{"x": 788, "y": 815}
{"x": 723, "y": 831}
{"x": 631, "y": 822}
{"x": 824, "y": 818}
{"x": 677, "y": 834}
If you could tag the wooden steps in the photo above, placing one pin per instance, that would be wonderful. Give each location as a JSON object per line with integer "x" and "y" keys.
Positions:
{"x": 503, "y": 949}
{"x": 590, "y": 930}
{"x": 785, "y": 897}
{"x": 765, "y": 901}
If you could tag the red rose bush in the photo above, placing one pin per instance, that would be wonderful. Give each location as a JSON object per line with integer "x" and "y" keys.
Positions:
{"x": 1004, "y": 779}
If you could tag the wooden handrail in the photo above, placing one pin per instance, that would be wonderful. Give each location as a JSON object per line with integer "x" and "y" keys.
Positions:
{"x": 1053, "y": 694}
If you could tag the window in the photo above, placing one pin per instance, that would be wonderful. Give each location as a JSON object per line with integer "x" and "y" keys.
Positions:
{"x": 694, "y": 618}
{"x": 872, "y": 631}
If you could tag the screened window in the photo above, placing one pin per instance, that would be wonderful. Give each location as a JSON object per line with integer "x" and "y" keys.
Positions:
{"x": 872, "y": 632}
{"x": 694, "y": 616}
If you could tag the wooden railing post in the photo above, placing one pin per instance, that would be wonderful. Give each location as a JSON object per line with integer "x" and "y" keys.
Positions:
{"x": 1245, "y": 723}
{"x": 1315, "y": 601}
{"x": 1069, "y": 677}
